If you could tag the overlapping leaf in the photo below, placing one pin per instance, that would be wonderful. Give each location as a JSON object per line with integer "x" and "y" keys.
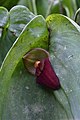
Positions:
{"x": 12, "y": 23}
{"x": 65, "y": 57}
{"x": 35, "y": 34}
{"x": 20, "y": 97}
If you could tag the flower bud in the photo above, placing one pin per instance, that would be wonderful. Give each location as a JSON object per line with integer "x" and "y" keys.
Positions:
{"x": 37, "y": 63}
{"x": 47, "y": 76}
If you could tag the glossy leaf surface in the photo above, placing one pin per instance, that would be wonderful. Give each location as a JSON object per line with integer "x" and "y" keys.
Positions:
{"x": 35, "y": 34}
{"x": 65, "y": 57}
{"x": 12, "y": 23}
{"x": 20, "y": 97}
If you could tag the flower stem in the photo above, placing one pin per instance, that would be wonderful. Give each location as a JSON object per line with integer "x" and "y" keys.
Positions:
{"x": 76, "y": 14}
{"x": 49, "y": 8}
{"x": 34, "y": 7}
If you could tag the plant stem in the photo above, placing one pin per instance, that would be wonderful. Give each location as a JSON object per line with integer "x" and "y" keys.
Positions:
{"x": 34, "y": 7}
{"x": 76, "y": 14}
{"x": 30, "y": 5}
{"x": 49, "y": 8}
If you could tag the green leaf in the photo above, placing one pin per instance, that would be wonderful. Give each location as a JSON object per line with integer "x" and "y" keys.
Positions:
{"x": 8, "y": 3}
{"x": 68, "y": 4}
{"x": 19, "y": 17}
{"x": 35, "y": 34}
{"x": 65, "y": 58}
{"x": 31, "y": 4}
{"x": 26, "y": 100}
{"x": 64, "y": 7}
{"x": 77, "y": 16}
{"x": 12, "y": 23}
{"x": 78, "y": 3}
{"x": 20, "y": 97}
{"x": 42, "y": 6}
{"x": 3, "y": 17}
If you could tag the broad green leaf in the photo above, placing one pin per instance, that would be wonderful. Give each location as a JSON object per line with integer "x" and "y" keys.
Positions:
{"x": 20, "y": 97}
{"x": 19, "y": 17}
{"x": 65, "y": 58}
{"x": 35, "y": 34}
{"x": 28, "y": 101}
{"x": 12, "y": 23}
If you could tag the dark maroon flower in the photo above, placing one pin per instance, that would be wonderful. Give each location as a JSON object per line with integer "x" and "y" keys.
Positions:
{"x": 46, "y": 76}
{"x": 37, "y": 63}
